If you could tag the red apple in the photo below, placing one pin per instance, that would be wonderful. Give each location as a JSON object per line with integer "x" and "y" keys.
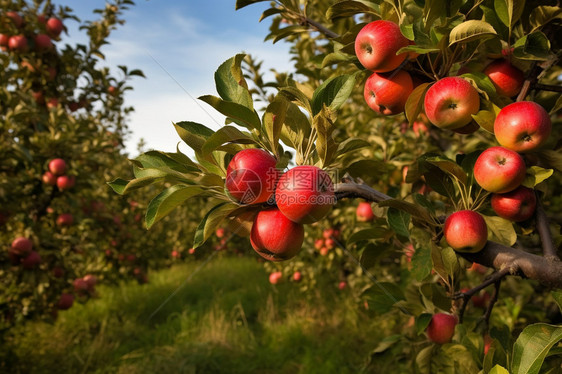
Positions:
{"x": 65, "y": 219}
{"x": 49, "y": 178}
{"x": 466, "y": 231}
{"x": 16, "y": 18}
{"x": 376, "y": 46}
{"x": 275, "y": 277}
{"x": 57, "y": 166}
{"x": 275, "y": 237}
{"x": 220, "y": 233}
{"x": 419, "y": 128}
{"x": 450, "y": 103}
{"x": 43, "y": 42}
{"x": 4, "y": 42}
{"x": 38, "y": 97}
{"x": 41, "y": 18}
{"x": 18, "y": 43}
{"x": 517, "y": 205}
{"x": 52, "y": 103}
{"x": 318, "y": 243}
{"x": 507, "y": 79}
{"x": 131, "y": 258}
{"x": 175, "y": 254}
{"x": 328, "y": 233}
{"x": 364, "y": 212}
{"x": 305, "y": 194}
{"x": 21, "y": 246}
{"x": 112, "y": 90}
{"x": 80, "y": 286}
{"x": 487, "y": 343}
{"x": 330, "y": 243}
{"x": 251, "y": 176}
{"x": 65, "y": 301}
{"x": 65, "y": 182}
{"x": 54, "y": 27}
{"x": 297, "y": 276}
{"x": 480, "y": 300}
{"x": 191, "y": 251}
{"x": 386, "y": 93}
{"x": 522, "y": 126}
{"x": 324, "y": 251}
{"x": 31, "y": 261}
{"x": 342, "y": 285}
{"x": 478, "y": 268}
{"x": 499, "y": 170}
{"x": 441, "y": 328}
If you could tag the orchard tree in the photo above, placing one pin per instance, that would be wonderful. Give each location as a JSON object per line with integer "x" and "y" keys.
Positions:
{"x": 443, "y": 115}
{"x": 62, "y": 124}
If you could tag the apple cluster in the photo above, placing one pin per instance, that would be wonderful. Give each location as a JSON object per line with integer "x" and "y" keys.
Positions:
{"x": 302, "y": 195}
{"x": 56, "y": 175}
{"x": 21, "y": 253}
{"x": 16, "y": 38}
{"x": 328, "y": 240}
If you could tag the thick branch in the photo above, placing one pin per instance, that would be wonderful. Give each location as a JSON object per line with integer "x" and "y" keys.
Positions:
{"x": 518, "y": 262}
{"x": 546, "y": 87}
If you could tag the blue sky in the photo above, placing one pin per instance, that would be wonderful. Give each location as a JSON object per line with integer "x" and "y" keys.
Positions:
{"x": 184, "y": 39}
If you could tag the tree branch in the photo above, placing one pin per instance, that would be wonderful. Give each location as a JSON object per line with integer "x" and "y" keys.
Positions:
{"x": 319, "y": 27}
{"x": 515, "y": 261}
{"x": 543, "y": 228}
{"x": 546, "y": 87}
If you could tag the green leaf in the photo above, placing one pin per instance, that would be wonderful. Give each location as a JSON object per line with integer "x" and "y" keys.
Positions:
{"x": 471, "y": 30}
{"x": 350, "y": 145}
{"x": 371, "y": 233}
{"x": 414, "y": 104}
{"x": 226, "y": 134}
{"x": 230, "y": 82}
{"x": 118, "y": 185}
{"x": 544, "y": 14}
{"x": 420, "y": 49}
{"x": 500, "y": 230}
{"x": 422, "y": 321}
{"x": 485, "y": 119}
{"x": 534, "y": 46}
{"x": 509, "y": 11}
{"x": 285, "y": 32}
{"x": 210, "y": 222}
{"x": 193, "y": 134}
{"x": 270, "y": 12}
{"x": 449, "y": 167}
{"x": 174, "y": 161}
{"x": 424, "y": 202}
{"x": 532, "y": 346}
{"x": 421, "y": 263}
{"x": 238, "y": 113}
{"x": 498, "y": 369}
{"x": 536, "y": 175}
{"x": 409, "y": 208}
{"x": 243, "y": 3}
{"x": 168, "y": 200}
{"x": 325, "y": 146}
{"x": 349, "y": 8}
{"x": 273, "y": 120}
{"x": 386, "y": 343}
{"x": 295, "y": 95}
{"x": 399, "y": 221}
{"x": 333, "y": 92}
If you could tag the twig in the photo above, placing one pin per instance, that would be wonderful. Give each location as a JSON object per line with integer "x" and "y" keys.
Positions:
{"x": 321, "y": 28}
{"x": 549, "y": 250}
{"x": 493, "y": 300}
{"x": 546, "y": 87}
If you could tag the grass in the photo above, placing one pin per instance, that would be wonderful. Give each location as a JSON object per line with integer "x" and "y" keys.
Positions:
{"x": 226, "y": 319}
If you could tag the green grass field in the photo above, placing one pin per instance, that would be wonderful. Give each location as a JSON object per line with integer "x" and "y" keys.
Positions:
{"x": 226, "y": 319}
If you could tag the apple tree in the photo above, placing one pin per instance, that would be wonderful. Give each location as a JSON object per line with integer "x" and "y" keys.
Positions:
{"x": 62, "y": 123}
{"x": 442, "y": 117}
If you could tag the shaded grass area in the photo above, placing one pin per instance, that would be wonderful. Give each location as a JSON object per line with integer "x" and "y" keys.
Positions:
{"x": 225, "y": 319}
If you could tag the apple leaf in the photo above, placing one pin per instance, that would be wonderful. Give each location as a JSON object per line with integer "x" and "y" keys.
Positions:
{"x": 551, "y": 158}
{"x": 471, "y": 30}
{"x": 449, "y": 167}
{"x": 385, "y": 343}
{"x": 409, "y": 208}
{"x": 270, "y": 12}
{"x": 174, "y": 161}
{"x": 210, "y": 222}
{"x": 498, "y": 369}
{"x": 349, "y": 8}
{"x": 399, "y": 221}
{"x": 193, "y": 134}
{"x": 168, "y": 200}
{"x": 509, "y": 11}
{"x": 557, "y": 296}
{"x": 231, "y": 84}
{"x": 500, "y": 230}
{"x": 325, "y": 146}
{"x": 367, "y": 234}
{"x": 422, "y": 321}
{"x": 414, "y": 104}
{"x": 536, "y": 175}
{"x": 285, "y": 32}
{"x": 238, "y": 113}
{"x": 533, "y": 46}
{"x": 543, "y": 14}
{"x": 350, "y": 145}
{"x": 485, "y": 119}
{"x": 420, "y": 49}
{"x": 421, "y": 263}
{"x": 295, "y": 95}
{"x": 243, "y": 3}
{"x": 273, "y": 121}
{"x": 223, "y": 135}
{"x": 532, "y": 346}
{"x": 333, "y": 92}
